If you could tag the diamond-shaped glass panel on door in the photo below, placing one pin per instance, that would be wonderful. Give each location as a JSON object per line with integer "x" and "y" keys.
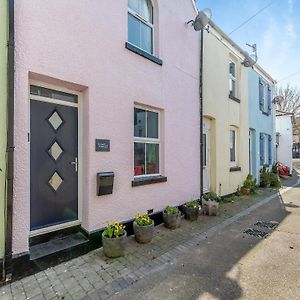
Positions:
{"x": 55, "y": 120}
{"x": 55, "y": 181}
{"x": 55, "y": 151}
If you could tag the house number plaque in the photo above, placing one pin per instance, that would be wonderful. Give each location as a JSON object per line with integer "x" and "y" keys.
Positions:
{"x": 102, "y": 145}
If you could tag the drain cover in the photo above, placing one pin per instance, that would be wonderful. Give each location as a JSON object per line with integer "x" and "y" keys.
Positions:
{"x": 256, "y": 233}
{"x": 268, "y": 225}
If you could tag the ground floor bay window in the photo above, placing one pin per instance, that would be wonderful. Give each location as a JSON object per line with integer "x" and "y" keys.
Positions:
{"x": 146, "y": 142}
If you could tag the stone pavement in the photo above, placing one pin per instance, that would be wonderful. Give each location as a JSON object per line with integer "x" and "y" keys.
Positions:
{"x": 93, "y": 276}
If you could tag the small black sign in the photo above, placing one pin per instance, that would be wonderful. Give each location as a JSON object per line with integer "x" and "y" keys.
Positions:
{"x": 102, "y": 145}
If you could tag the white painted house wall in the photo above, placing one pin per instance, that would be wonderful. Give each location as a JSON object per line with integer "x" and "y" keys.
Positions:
{"x": 284, "y": 127}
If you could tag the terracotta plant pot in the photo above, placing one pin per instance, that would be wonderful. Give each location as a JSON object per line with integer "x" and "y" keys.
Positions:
{"x": 245, "y": 191}
{"x": 143, "y": 234}
{"x": 191, "y": 213}
{"x": 172, "y": 221}
{"x": 114, "y": 247}
{"x": 210, "y": 207}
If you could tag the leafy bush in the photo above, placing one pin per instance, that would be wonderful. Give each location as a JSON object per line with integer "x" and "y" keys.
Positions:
{"x": 250, "y": 183}
{"x": 193, "y": 203}
{"x": 274, "y": 169}
{"x": 264, "y": 177}
{"x": 114, "y": 230}
{"x": 211, "y": 196}
{"x": 274, "y": 180}
{"x": 171, "y": 210}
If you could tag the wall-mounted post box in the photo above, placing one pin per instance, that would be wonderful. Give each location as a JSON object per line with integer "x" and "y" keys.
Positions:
{"x": 105, "y": 183}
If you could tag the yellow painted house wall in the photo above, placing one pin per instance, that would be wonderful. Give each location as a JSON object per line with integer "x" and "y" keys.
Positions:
{"x": 3, "y": 114}
{"x": 223, "y": 113}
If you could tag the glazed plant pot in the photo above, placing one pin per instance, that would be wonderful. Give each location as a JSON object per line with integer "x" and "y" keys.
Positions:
{"x": 191, "y": 213}
{"x": 172, "y": 221}
{"x": 143, "y": 234}
{"x": 210, "y": 207}
{"x": 245, "y": 191}
{"x": 114, "y": 247}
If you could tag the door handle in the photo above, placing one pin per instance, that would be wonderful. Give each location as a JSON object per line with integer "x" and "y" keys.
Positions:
{"x": 75, "y": 163}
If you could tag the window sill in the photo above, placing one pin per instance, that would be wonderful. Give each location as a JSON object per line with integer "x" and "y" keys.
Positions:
{"x": 143, "y": 53}
{"x": 148, "y": 180}
{"x": 265, "y": 113}
{"x": 234, "y": 98}
{"x": 235, "y": 169}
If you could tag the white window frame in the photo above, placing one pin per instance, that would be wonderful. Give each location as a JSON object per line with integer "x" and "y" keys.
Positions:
{"x": 233, "y": 78}
{"x": 147, "y": 23}
{"x": 233, "y": 163}
{"x": 146, "y": 140}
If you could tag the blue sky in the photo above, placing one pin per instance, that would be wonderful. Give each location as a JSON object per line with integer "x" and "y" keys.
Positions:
{"x": 275, "y": 31}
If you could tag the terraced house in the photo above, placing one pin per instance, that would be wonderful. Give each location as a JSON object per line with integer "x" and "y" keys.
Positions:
{"x": 225, "y": 111}
{"x": 261, "y": 120}
{"x": 106, "y": 119}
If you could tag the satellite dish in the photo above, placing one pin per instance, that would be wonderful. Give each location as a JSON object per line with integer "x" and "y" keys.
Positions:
{"x": 201, "y": 20}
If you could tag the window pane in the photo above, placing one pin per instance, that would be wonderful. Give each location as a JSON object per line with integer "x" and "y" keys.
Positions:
{"x": 204, "y": 149}
{"x": 232, "y": 145}
{"x": 139, "y": 122}
{"x": 133, "y": 30}
{"x": 139, "y": 159}
{"x": 152, "y": 124}
{"x": 152, "y": 154}
{"x": 134, "y": 5}
{"x": 146, "y": 38}
{"x": 54, "y": 94}
{"x": 232, "y": 69}
{"x": 232, "y": 87}
{"x": 146, "y": 10}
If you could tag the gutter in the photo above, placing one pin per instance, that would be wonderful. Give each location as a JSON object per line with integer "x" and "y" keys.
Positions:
{"x": 201, "y": 110}
{"x": 10, "y": 144}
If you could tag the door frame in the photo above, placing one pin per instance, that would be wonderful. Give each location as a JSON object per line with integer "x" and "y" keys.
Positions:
{"x": 80, "y": 153}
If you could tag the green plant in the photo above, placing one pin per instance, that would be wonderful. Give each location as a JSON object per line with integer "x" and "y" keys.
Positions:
{"x": 249, "y": 183}
{"x": 238, "y": 192}
{"x": 114, "y": 230}
{"x": 211, "y": 196}
{"x": 193, "y": 203}
{"x": 264, "y": 177}
{"x": 143, "y": 220}
{"x": 274, "y": 180}
{"x": 228, "y": 199}
{"x": 274, "y": 169}
{"x": 171, "y": 210}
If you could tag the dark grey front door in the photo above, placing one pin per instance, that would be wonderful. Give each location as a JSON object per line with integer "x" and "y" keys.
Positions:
{"x": 53, "y": 164}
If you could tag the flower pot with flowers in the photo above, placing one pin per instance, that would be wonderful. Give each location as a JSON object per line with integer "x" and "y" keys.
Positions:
{"x": 114, "y": 239}
{"x": 249, "y": 185}
{"x": 172, "y": 217}
{"x": 191, "y": 210}
{"x": 210, "y": 204}
{"x": 143, "y": 228}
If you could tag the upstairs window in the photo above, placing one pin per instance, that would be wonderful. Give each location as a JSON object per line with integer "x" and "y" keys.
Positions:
{"x": 146, "y": 142}
{"x": 265, "y": 97}
{"x": 232, "y": 79}
{"x": 140, "y": 24}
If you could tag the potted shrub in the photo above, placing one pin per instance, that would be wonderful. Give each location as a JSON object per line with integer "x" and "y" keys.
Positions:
{"x": 210, "y": 204}
{"x": 264, "y": 177}
{"x": 172, "y": 217}
{"x": 113, "y": 240}
{"x": 143, "y": 228}
{"x": 274, "y": 180}
{"x": 249, "y": 185}
{"x": 191, "y": 210}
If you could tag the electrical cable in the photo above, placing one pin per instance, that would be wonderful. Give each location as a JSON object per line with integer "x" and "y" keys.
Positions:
{"x": 253, "y": 16}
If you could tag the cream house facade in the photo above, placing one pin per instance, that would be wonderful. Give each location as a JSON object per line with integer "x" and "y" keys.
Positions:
{"x": 225, "y": 114}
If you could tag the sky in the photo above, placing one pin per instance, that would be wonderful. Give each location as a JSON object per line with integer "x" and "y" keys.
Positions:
{"x": 276, "y": 31}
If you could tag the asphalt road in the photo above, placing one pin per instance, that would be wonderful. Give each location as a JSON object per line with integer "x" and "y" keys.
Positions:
{"x": 235, "y": 265}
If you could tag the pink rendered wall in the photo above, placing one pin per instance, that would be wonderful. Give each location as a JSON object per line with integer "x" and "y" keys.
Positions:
{"x": 82, "y": 42}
